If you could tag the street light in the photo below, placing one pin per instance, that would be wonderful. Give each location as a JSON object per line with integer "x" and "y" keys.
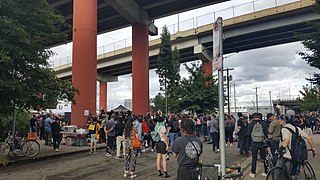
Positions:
{"x": 289, "y": 90}
{"x": 253, "y": 105}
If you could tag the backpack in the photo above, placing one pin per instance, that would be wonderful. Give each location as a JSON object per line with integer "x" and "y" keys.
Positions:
{"x": 175, "y": 126}
{"x": 155, "y": 135}
{"x": 298, "y": 149}
{"x": 136, "y": 143}
{"x": 257, "y": 134}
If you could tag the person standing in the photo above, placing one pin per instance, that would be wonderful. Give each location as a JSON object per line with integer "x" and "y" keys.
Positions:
{"x": 173, "y": 128}
{"x": 119, "y": 128}
{"x": 187, "y": 149}
{"x": 33, "y": 124}
{"x": 162, "y": 146}
{"x": 243, "y": 134}
{"x": 56, "y": 135}
{"x": 47, "y": 127}
{"x": 131, "y": 153}
{"x": 214, "y": 130}
{"x": 109, "y": 131}
{"x": 229, "y": 127}
{"x": 259, "y": 131}
{"x": 94, "y": 134}
{"x": 274, "y": 135}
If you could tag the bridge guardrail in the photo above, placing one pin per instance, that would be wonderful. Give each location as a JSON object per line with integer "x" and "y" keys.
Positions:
{"x": 227, "y": 13}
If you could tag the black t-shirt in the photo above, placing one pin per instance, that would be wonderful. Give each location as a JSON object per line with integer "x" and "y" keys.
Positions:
{"x": 33, "y": 122}
{"x": 188, "y": 157}
{"x": 174, "y": 126}
{"x": 243, "y": 123}
{"x": 119, "y": 128}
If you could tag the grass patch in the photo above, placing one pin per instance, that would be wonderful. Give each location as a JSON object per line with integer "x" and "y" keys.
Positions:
{"x": 4, "y": 160}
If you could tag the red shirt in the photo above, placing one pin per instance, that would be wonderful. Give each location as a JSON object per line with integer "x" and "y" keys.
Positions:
{"x": 145, "y": 128}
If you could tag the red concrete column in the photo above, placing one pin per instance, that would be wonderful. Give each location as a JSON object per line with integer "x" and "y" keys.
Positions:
{"x": 103, "y": 96}
{"x": 207, "y": 66}
{"x": 84, "y": 59}
{"x": 140, "y": 69}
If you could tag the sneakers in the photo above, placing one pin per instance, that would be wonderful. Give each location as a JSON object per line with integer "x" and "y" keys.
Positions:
{"x": 264, "y": 174}
{"x": 252, "y": 175}
{"x": 56, "y": 150}
{"x": 108, "y": 154}
{"x": 126, "y": 173}
{"x": 159, "y": 173}
{"x": 218, "y": 150}
{"x": 226, "y": 144}
{"x": 132, "y": 175}
{"x": 231, "y": 144}
{"x": 166, "y": 175}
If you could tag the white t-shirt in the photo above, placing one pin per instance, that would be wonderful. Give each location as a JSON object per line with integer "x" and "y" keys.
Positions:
{"x": 161, "y": 130}
{"x": 286, "y": 134}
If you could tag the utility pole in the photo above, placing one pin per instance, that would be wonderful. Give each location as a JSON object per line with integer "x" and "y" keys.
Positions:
{"x": 257, "y": 106}
{"x": 228, "y": 78}
{"x": 270, "y": 101}
{"x": 234, "y": 97}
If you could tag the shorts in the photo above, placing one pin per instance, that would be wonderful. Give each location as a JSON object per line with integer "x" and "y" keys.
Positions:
{"x": 93, "y": 138}
{"x": 161, "y": 147}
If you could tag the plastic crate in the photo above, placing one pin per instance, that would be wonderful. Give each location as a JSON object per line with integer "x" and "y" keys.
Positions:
{"x": 32, "y": 135}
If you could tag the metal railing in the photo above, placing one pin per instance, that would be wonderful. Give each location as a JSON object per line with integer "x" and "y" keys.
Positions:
{"x": 192, "y": 23}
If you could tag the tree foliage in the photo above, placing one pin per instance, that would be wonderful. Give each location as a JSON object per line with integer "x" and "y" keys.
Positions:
{"x": 27, "y": 27}
{"x": 198, "y": 93}
{"x": 311, "y": 42}
{"x": 168, "y": 67}
{"x": 310, "y": 100}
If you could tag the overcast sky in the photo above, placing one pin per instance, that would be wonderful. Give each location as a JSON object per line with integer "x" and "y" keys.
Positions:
{"x": 276, "y": 69}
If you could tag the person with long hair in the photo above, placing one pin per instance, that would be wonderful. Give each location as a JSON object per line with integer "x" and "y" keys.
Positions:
{"x": 130, "y": 130}
{"x": 187, "y": 149}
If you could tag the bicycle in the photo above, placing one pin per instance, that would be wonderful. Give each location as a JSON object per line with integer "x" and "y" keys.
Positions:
{"x": 19, "y": 146}
{"x": 232, "y": 172}
{"x": 280, "y": 171}
{"x": 269, "y": 158}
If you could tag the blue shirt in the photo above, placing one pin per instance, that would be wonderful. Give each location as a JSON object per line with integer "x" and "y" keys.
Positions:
{"x": 47, "y": 124}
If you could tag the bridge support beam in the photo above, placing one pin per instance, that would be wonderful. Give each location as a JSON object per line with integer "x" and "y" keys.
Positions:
{"x": 84, "y": 60}
{"x": 207, "y": 66}
{"x": 140, "y": 69}
{"x": 103, "y": 96}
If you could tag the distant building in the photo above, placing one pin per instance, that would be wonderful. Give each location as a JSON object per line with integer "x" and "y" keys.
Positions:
{"x": 261, "y": 109}
{"x": 128, "y": 103}
{"x": 282, "y": 106}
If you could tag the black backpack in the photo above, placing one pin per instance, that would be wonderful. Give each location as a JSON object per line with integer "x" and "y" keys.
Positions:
{"x": 175, "y": 126}
{"x": 298, "y": 151}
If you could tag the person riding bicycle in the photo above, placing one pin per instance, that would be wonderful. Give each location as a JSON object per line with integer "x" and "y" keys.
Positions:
{"x": 287, "y": 141}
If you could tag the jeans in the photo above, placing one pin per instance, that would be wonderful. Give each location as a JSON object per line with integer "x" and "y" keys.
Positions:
{"x": 120, "y": 140}
{"x": 56, "y": 144}
{"x": 48, "y": 138}
{"x": 215, "y": 141}
{"x": 243, "y": 144}
{"x": 173, "y": 137}
{"x": 191, "y": 174}
{"x": 274, "y": 145}
{"x": 255, "y": 147}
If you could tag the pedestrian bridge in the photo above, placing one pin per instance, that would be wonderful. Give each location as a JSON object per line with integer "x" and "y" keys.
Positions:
{"x": 247, "y": 26}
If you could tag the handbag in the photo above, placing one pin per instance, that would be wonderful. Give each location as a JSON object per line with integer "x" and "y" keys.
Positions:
{"x": 136, "y": 143}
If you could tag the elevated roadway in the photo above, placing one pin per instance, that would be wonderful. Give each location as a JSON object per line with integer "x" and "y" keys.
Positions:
{"x": 259, "y": 29}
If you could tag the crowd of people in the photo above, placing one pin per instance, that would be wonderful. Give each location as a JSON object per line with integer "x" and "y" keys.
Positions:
{"x": 182, "y": 136}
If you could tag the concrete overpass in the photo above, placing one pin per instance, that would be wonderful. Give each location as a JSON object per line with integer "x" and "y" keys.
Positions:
{"x": 259, "y": 29}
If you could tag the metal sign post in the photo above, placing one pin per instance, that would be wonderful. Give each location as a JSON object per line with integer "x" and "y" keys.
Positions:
{"x": 218, "y": 65}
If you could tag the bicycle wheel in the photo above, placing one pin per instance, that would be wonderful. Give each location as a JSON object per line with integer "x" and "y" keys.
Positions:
{"x": 4, "y": 149}
{"x": 277, "y": 173}
{"x": 30, "y": 148}
{"x": 16, "y": 150}
{"x": 306, "y": 172}
{"x": 268, "y": 161}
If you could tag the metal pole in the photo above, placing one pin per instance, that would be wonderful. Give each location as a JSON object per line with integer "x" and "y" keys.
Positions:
{"x": 257, "y": 106}
{"x": 228, "y": 92}
{"x": 270, "y": 101}
{"x": 178, "y": 23}
{"x": 289, "y": 92}
{"x": 234, "y": 96}
{"x": 221, "y": 105}
{"x": 14, "y": 119}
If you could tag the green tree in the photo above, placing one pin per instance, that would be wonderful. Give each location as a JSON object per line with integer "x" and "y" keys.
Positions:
{"x": 310, "y": 100}
{"x": 168, "y": 68}
{"x": 198, "y": 93}
{"x": 27, "y": 28}
{"x": 158, "y": 103}
{"x": 311, "y": 42}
